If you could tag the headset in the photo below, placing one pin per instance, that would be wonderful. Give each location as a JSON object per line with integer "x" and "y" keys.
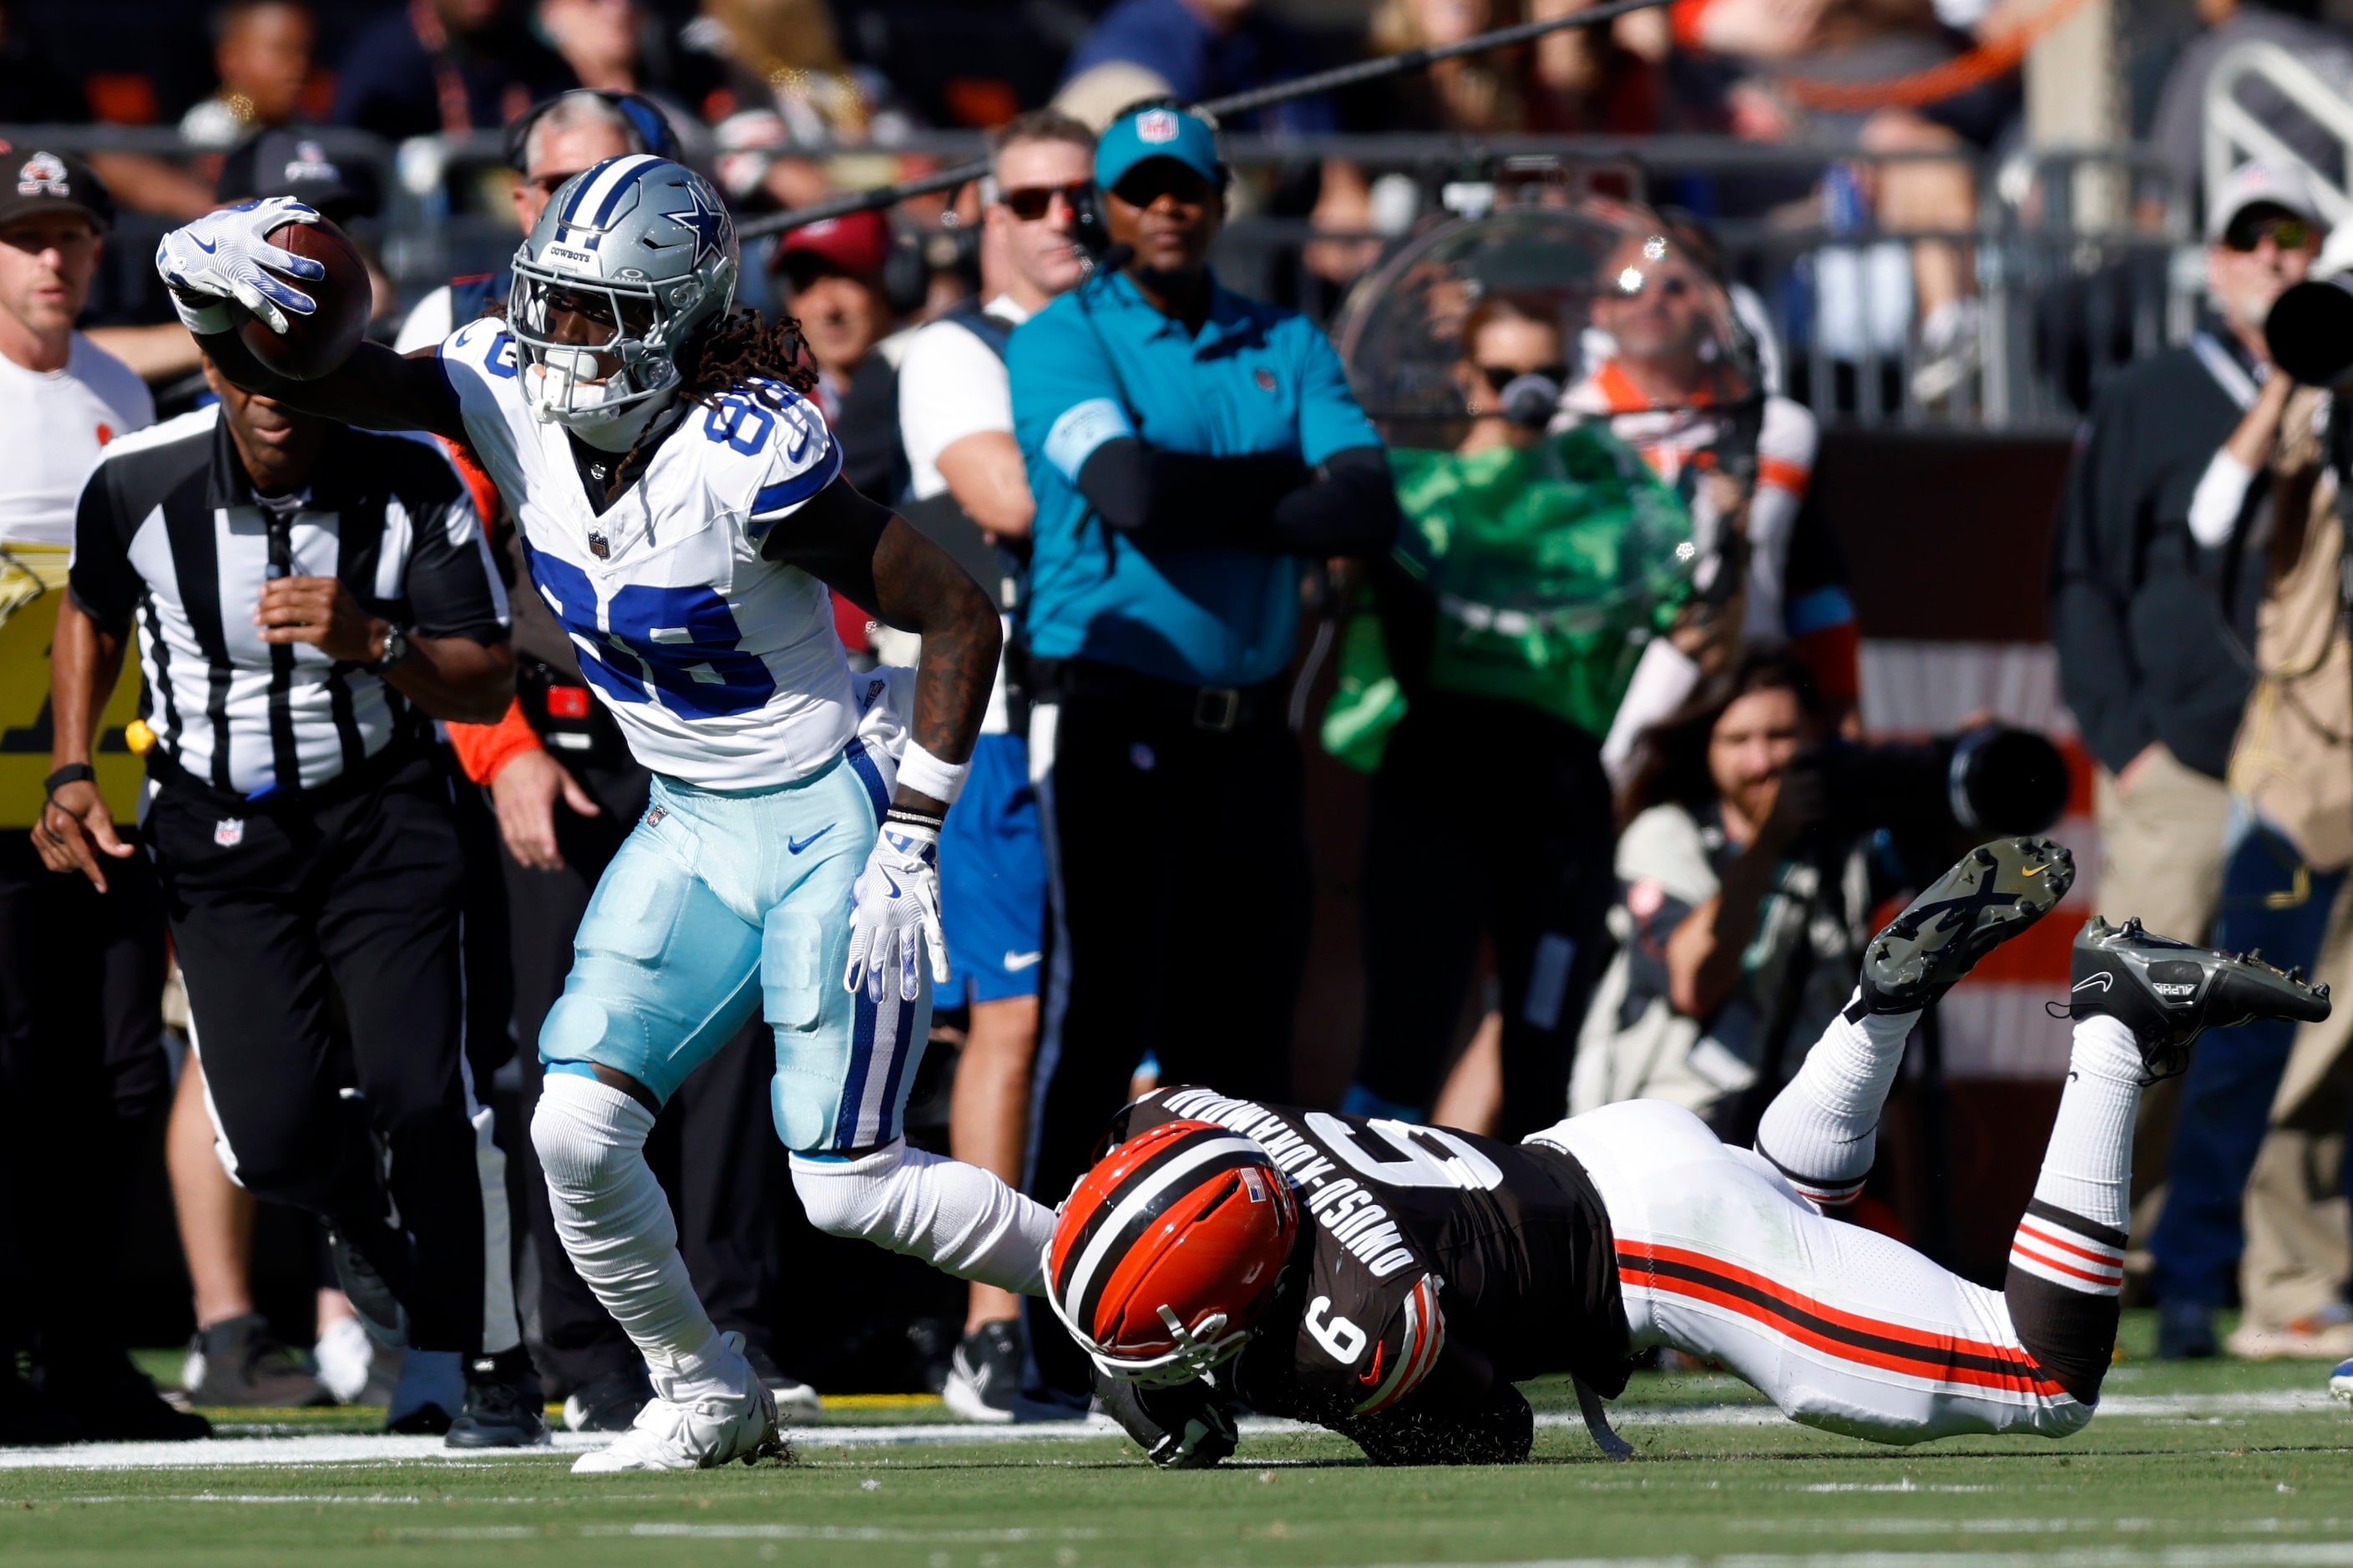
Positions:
{"x": 645, "y": 117}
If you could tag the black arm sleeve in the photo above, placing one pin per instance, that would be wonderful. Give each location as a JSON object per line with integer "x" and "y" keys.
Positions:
{"x": 1350, "y": 510}
{"x": 1184, "y": 498}
{"x": 833, "y": 536}
{"x": 103, "y": 581}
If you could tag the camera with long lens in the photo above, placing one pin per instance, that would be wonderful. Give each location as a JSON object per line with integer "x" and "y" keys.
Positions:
{"x": 2310, "y": 332}
{"x": 1991, "y": 780}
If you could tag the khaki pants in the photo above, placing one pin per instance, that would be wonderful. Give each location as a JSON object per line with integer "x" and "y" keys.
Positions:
{"x": 2160, "y": 860}
{"x": 2299, "y": 1226}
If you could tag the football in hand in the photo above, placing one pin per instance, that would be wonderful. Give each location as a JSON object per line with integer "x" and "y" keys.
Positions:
{"x": 318, "y": 343}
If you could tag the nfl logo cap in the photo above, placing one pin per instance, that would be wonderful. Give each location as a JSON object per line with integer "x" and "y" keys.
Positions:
{"x": 34, "y": 181}
{"x": 291, "y": 163}
{"x": 1156, "y": 131}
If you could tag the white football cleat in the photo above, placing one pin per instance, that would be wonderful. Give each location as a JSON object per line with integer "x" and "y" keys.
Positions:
{"x": 2340, "y": 1382}
{"x": 700, "y": 1434}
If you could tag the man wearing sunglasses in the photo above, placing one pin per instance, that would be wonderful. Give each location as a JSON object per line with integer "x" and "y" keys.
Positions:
{"x": 2153, "y": 601}
{"x": 956, "y": 419}
{"x": 1190, "y": 451}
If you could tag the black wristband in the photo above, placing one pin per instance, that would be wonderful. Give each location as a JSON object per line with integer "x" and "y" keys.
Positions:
{"x": 913, "y": 818}
{"x": 72, "y": 772}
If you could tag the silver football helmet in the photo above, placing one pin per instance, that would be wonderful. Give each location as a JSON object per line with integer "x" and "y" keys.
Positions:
{"x": 631, "y": 257}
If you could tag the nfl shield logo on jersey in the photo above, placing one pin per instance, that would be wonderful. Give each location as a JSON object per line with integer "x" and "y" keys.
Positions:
{"x": 229, "y": 832}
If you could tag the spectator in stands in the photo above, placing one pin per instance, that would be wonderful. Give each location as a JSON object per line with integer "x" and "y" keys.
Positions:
{"x": 794, "y": 110}
{"x": 261, "y": 50}
{"x": 1499, "y": 521}
{"x": 2161, "y": 493}
{"x": 617, "y": 46}
{"x": 832, "y": 271}
{"x": 445, "y": 66}
{"x": 83, "y": 1079}
{"x": 956, "y": 416}
{"x": 1188, "y": 451}
{"x": 1669, "y": 361}
{"x": 2178, "y": 133}
{"x": 1724, "y": 821}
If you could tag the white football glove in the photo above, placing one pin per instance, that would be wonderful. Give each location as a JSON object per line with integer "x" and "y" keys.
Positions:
{"x": 894, "y": 913}
{"x": 221, "y": 255}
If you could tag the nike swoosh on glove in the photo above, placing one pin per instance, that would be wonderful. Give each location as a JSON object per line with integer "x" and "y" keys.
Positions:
{"x": 221, "y": 257}
{"x": 894, "y": 913}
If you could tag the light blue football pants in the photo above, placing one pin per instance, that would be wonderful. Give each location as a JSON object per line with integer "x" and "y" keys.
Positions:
{"x": 721, "y": 901}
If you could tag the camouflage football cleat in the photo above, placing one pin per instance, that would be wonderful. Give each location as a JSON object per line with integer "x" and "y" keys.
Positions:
{"x": 2169, "y": 992}
{"x": 1996, "y": 891}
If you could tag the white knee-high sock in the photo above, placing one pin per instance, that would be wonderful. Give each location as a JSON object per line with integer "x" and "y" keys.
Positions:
{"x": 616, "y": 1227}
{"x": 1822, "y": 1130}
{"x": 2074, "y": 1233}
{"x": 956, "y": 1217}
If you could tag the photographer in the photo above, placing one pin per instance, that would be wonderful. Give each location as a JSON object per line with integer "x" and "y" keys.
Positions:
{"x": 1746, "y": 900}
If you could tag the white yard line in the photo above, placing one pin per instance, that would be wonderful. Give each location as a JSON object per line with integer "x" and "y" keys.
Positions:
{"x": 353, "y": 1448}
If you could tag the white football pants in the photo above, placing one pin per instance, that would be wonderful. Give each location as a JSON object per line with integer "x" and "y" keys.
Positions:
{"x": 1843, "y": 1329}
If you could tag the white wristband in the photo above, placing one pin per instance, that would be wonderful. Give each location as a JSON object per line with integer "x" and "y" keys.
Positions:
{"x": 925, "y": 774}
{"x": 209, "y": 322}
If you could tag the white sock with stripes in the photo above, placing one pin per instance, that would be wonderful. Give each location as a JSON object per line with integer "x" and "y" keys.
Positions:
{"x": 2067, "y": 1259}
{"x": 2074, "y": 1233}
{"x": 1822, "y": 1130}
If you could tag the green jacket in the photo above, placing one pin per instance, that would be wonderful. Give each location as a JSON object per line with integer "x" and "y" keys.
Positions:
{"x": 1548, "y": 568}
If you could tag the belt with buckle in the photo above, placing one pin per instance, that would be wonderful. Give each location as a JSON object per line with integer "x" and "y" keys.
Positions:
{"x": 1214, "y": 709}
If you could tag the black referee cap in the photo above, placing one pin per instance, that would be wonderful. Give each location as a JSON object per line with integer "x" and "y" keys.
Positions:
{"x": 294, "y": 163}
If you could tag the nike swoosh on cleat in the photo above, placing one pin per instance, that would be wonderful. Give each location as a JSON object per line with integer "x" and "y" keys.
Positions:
{"x": 2104, "y": 982}
{"x": 797, "y": 845}
{"x": 1017, "y": 962}
{"x": 2032, "y": 870}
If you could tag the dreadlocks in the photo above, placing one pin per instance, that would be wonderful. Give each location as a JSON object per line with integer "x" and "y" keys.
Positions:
{"x": 743, "y": 350}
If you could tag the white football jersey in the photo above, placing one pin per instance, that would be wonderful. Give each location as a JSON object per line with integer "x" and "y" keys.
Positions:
{"x": 723, "y": 668}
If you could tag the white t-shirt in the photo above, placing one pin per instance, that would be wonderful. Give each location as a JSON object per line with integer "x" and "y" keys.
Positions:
{"x": 952, "y": 385}
{"x": 426, "y": 324}
{"x": 57, "y": 421}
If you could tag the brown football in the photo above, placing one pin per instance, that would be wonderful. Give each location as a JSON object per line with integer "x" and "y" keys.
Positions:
{"x": 320, "y": 341}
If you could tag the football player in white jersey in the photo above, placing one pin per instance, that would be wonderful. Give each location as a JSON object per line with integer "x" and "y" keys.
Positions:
{"x": 683, "y": 508}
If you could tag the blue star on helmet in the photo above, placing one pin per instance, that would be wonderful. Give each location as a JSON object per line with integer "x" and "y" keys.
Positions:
{"x": 710, "y": 225}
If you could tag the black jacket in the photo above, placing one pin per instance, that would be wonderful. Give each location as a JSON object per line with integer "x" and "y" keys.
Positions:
{"x": 2143, "y": 618}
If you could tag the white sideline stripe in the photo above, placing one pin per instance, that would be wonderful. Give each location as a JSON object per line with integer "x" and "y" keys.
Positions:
{"x": 2331, "y": 1554}
{"x": 361, "y": 1449}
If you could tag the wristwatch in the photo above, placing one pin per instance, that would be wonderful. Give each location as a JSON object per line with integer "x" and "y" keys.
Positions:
{"x": 395, "y": 648}
{"x": 72, "y": 772}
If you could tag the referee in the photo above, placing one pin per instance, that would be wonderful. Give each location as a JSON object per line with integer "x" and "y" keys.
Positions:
{"x": 306, "y": 595}
{"x": 1190, "y": 451}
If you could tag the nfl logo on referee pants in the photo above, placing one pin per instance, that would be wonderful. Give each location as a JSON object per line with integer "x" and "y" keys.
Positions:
{"x": 229, "y": 832}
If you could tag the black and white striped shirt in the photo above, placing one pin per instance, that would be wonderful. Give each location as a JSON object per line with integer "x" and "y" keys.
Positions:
{"x": 171, "y": 532}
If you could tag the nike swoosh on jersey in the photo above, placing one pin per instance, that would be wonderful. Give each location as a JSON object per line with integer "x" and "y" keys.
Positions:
{"x": 797, "y": 845}
{"x": 1016, "y": 961}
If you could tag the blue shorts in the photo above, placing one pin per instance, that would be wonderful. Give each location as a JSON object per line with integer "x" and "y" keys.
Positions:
{"x": 720, "y": 903}
{"x": 993, "y": 876}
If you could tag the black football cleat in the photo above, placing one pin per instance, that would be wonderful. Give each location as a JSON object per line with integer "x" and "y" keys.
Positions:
{"x": 1996, "y": 891}
{"x": 2167, "y": 993}
{"x": 504, "y": 1407}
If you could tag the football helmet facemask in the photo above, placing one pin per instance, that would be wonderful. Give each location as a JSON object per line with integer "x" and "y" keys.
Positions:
{"x": 630, "y": 259}
{"x": 1164, "y": 1258}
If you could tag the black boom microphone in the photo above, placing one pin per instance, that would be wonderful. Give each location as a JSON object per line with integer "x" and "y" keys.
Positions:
{"x": 884, "y": 196}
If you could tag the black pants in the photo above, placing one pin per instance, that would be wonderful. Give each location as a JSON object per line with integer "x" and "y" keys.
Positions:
{"x": 1487, "y": 817}
{"x": 715, "y": 1149}
{"x": 1181, "y": 900}
{"x": 83, "y": 1081}
{"x": 275, "y": 910}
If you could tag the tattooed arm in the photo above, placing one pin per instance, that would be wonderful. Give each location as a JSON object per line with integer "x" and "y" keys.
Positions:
{"x": 876, "y": 561}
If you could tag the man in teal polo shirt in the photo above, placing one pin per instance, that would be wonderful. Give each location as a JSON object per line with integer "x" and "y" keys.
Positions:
{"x": 1190, "y": 451}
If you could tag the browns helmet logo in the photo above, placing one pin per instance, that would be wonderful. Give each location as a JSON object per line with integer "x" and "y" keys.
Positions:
{"x": 1166, "y": 1257}
{"x": 42, "y": 174}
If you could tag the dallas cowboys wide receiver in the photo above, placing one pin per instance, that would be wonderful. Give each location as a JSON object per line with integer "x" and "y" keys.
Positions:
{"x": 684, "y": 511}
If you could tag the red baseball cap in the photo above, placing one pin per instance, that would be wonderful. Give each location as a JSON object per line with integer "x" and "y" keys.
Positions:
{"x": 855, "y": 243}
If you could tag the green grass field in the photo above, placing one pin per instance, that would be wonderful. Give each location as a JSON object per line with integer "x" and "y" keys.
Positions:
{"x": 2192, "y": 1467}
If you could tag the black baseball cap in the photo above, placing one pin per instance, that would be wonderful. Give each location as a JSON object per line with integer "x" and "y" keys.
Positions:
{"x": 294, "y": 163}
{"x": 33, "y": 180}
